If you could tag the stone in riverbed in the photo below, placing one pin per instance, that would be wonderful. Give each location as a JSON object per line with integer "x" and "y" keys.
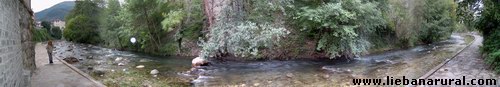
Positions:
{"x": 144, "y": 60}
{"x": 154, "y": 72}
{"x": 121, "y": 64}
{"x": 71, "y": 60}
{"x": 118, "y": 59}
{"x": 199, "y": 61}
{"x": 90, "y": 57}
{"x": 99, "y": 72}
{"x": 256, "y": 84}
{"x": 139, "y": 66}
{"x": 289, "y": 75}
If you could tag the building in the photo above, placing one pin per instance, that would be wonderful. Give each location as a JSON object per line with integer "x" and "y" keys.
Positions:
{"x": 59, "y": 23}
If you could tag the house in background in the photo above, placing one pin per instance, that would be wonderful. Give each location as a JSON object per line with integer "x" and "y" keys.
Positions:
{"x": 59, "y": 23}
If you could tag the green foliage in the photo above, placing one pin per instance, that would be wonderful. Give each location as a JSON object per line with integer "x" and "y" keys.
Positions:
{"x": 144, "y": 18}
{"x": 40, "y": 35}
{"x": 341, "y": 26}
{"x": 78, "y": 30}
{"x": 493, "y": 59}
{"x": 439, "y": 20}
{"x": 243, "y": 39}
{"x": 489, "y": 26}
{"x": 56, "y": 33}
{"x": 239, "y": 33}
{"x": 110, "y": 25}
{"x": 83, "y": 23}
{"x": 46, "y": 25}
{"x": 171, "y": 19}
{"x": 465, "y": 12}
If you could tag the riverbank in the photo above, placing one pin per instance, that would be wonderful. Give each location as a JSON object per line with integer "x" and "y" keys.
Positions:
{"x": 119, "y": 68}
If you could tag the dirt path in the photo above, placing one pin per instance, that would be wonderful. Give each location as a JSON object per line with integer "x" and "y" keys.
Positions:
{"x": 57, "y": 74}
{"x": 469, "y": 63}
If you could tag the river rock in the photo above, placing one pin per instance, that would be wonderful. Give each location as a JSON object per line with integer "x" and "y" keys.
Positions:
{"x": 90, "y": 57}
{"x": 118, "y": 59}
{"x": 121, "y": 64}
{"x": 154, "y": 72}
{"x": 256, "y": 84}
{"x": 71, "y": 60}
{"x": 289, "y": 75}
{"x": 326, "y": 76}
{"x": 199, "y": 61}
{"x": 99, "y": 72}
{"x": 139, "y": 66}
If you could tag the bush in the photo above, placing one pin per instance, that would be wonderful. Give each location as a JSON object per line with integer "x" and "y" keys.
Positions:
{"x": 40, "y": 35}
{"x": 56, "y": 33}
{"x": 493, "y": 59}
{"x": 81, "y": 29}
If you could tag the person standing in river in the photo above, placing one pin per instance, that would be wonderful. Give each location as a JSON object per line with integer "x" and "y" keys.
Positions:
{"x": 50, "y": 48}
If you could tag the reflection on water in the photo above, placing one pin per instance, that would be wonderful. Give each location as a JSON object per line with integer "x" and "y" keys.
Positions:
{"x": 410, "y": 63}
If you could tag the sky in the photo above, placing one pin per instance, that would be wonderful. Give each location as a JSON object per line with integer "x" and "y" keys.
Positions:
{"x": 39, "y": 5}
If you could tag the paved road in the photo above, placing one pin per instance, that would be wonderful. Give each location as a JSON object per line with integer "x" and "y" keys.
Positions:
{"x": 469, "y": 63}
{"x": 57, "y": 74}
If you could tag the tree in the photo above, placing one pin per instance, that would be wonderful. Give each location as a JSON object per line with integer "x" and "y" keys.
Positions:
{"x": 110, "y": 24}
{"x": 78, "y": 30}
{"x": 56, "y": 33}
{"x": 46, "y": 25}
{"x": 83, "y": 22}
{"x": 239, "y": 32}
{"x": 438, "y": 20}
{"x": 341, "y": 26}
{"x": 489, "y": 25}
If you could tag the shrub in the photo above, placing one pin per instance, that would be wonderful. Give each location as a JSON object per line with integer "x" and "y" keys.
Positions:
{"x": 56, "y": 33}
{"x": 493, "y": 59}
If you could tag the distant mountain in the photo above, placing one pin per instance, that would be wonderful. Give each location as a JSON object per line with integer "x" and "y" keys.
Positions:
{"x": 56, "y": 12}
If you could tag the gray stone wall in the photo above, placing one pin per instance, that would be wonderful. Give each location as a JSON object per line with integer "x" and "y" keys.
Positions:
{"x": 16, "y": 48}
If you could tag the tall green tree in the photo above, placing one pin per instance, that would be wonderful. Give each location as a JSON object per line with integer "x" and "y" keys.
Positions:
{"x": 83, "y": 23}
{"x": 109, "y": 30}
{"x": 46, "y": 24}
{"x": 144, "y": 20}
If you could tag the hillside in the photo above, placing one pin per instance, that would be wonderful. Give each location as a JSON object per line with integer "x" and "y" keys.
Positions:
{"x": 57, "y": 11}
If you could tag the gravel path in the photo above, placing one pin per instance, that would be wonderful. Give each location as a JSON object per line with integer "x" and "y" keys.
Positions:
{"x": 57, "y": 74}
{"x": 469, "y": 63}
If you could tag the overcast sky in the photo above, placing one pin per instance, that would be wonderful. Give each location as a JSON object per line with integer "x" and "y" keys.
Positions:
{"x": 39, "y": 5}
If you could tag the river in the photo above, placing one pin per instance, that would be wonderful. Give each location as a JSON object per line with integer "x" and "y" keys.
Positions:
{"x": 113, "y": 67}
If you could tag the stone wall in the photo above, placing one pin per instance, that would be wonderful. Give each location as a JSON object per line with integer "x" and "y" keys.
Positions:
{"x": 16, "y": 49}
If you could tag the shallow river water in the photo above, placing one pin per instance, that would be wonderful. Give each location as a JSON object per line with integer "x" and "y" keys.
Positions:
{"x": 411, "y": 63}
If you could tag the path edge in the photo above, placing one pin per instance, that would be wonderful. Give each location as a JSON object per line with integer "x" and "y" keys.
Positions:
{"x": 435, "y": 69}
{"x": 97, "y": 83}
